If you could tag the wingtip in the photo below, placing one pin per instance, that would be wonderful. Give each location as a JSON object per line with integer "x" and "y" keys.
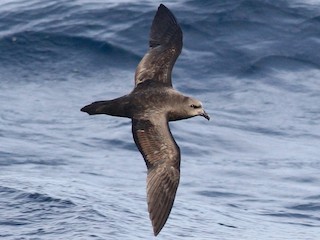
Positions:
{"x": 158, "y": 223}
{"x": 156, "y": 229}
{"x": 161, "y": 6}
{"x": 155, "y": 232}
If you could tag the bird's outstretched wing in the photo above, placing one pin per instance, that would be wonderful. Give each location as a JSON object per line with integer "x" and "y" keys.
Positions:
{"x": 165, "y": 46}
{"x": 162, "y": 156}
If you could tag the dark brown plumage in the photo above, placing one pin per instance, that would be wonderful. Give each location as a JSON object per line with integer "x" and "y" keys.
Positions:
{"x": 151, "y": 105}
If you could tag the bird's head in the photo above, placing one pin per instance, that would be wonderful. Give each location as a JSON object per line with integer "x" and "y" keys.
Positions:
{"x": 187, "y": 107}
{"x": 193, "y": 107}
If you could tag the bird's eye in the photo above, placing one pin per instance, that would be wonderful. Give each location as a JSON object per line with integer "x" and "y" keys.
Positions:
{"x": 194, "y": 106}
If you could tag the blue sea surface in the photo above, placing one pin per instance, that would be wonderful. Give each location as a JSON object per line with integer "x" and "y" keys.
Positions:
{"x": 251, "y": 172}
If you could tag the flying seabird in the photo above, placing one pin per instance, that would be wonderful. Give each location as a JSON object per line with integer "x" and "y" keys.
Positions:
{"x": 151, "y": 105}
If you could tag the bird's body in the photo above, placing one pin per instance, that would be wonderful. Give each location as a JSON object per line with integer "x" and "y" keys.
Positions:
{"x": 151, "y": 105}
{"x": 147, "y": 100}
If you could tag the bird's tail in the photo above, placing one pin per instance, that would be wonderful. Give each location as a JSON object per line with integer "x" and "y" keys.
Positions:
{"x": 116, "y": 107}
{"x": 96, "y": 108}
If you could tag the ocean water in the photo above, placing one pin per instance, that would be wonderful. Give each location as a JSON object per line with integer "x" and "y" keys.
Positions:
{"x": 251, "y": 172}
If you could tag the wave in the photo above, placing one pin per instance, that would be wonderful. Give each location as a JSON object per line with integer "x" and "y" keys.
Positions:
{"x": 20, "y": 197}
{"x": 26, "y": 47}
{"x": 278, "y": 62}
{"x": 314, "y": 207}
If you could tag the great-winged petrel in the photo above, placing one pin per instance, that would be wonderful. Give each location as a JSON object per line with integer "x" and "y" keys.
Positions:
{"x": 151, "y": 105}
